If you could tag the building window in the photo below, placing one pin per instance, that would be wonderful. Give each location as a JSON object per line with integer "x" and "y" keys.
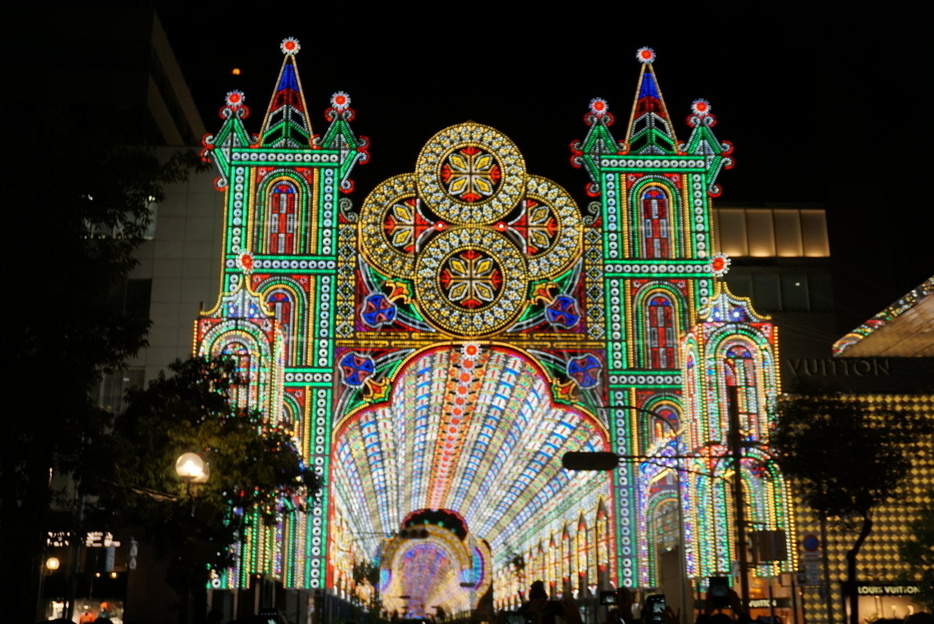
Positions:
{"x": 110, "y": 392}
{"x": 131, "y": 297}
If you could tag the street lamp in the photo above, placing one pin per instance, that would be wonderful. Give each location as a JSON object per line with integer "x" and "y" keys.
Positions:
{"x": 191, "y": 469}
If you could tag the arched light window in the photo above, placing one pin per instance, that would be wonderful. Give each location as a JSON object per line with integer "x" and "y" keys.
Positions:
{"x": 282, "y": 218}
{"x": 581, "y": 548}
{"x": 655, "y": 230}
{"x": 663, "y": 431}
{"x": 553, "y": 573}
{"x": 240, "y": 389}
{"x": 538, "y": 562}
{"x": 566, "y": 548}
{"x": 603, "y": 539}
{"x": 660, "y": 327}
{"x": 740, "y": 371}
{"x": 280, "y": 303}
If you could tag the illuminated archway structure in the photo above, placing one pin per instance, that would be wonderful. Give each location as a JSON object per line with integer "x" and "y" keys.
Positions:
{"x": 439, "y": 347}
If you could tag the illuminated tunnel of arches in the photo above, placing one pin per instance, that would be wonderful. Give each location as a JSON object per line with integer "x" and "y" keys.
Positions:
{"x": 467, "y": 437}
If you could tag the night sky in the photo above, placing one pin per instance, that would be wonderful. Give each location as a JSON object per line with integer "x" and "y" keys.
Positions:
{"x": 822, "y": 109}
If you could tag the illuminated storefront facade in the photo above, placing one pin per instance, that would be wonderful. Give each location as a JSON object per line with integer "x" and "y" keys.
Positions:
{"x": 438, "y": 346}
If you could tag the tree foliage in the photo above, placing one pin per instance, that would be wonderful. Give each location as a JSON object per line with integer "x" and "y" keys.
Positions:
{"x": 918, "y": 551}
{"x": 78, "y": 206}
{"x": 845, "y": 459}
{"x": 253, "y": 461}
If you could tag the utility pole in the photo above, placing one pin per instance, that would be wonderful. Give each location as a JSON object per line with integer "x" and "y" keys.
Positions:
{"x": 739, "y": 501}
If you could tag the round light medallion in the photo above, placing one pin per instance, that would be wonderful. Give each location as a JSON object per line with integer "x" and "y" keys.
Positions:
{"x": 470, "y": 174}
{"x": 391, "y": 225}
{"x": 471, "y": 281}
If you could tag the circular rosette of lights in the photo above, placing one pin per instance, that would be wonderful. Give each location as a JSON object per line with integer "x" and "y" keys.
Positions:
{"x": 471, "y": 281}
{"x": 550, "y": 225}
{"x": 470, "y": 174}
{"x": 391, "y": 226}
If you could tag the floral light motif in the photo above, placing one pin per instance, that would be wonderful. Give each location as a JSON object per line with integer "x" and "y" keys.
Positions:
{"x": 377, "y": 310}
{"x": 356, "y": 369}
{"x": 471, "y": 279}
{"x": 563, "y": 312}
{"x": 645, "y": 55}
{"x": 537, "y": 225}
{"x": 471, "y": 174}
{"x": 700, "y": 107}
{"x": 235, "y": 99}
{"x": 470, "y": 351}
{"x": 405, "y": 224}
{"x": 585, "y": 370}
{"x": 720, "y": 264}
{"x": 245, "y": 262}
{"x": 599, "y": 107}
{"x": 340, "y": 101}
{"x": 290, "y": 46}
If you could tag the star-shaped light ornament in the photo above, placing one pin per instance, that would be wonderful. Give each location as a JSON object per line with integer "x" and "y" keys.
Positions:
{"x": 720, "y": 264}
{"x": 470, "y": 351}
{"x": 701, "y": 107}
{"x": 235, "y": 99}
{"x": 340, "y": 101}
{"x": 245, "y": 262}
{"x": 290, "y": 46}
{"x": 599, "y": 107}
{"x": 645, "y": 55}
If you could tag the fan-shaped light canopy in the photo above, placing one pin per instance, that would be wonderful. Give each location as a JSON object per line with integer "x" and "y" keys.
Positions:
{"x": 474, "y": 433}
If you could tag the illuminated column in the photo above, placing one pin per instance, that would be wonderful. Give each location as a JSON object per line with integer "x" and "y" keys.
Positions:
{"x": 656, "y": 255}
{"x": 282, "y": 208}
{"x": 731, "y": 350}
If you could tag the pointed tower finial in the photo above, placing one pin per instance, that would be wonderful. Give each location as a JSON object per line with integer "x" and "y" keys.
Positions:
{"x": 650, "y": 129}
{"x": 703, "y": 142}
{"x": 286, "y": 123}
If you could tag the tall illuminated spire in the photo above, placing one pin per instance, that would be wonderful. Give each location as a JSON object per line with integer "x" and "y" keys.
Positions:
{"x": 649, "y": 126}
{"x": 286, "y": 123}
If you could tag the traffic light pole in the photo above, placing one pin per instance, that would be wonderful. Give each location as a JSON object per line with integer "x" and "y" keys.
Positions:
{"x": 580, "y": 460}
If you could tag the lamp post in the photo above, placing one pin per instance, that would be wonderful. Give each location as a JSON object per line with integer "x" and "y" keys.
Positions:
{"x": 192, "y": 470}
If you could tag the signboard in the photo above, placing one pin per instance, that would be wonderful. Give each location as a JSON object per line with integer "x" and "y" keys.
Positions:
{"x": 887, "y": 590}
{"x": 92, "y": 539}
{"x": 767, "y": 603}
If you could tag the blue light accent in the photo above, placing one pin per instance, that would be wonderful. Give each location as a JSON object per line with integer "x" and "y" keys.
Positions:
{"x": 289, "y": 80}
{"x": 649, "y": 88}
